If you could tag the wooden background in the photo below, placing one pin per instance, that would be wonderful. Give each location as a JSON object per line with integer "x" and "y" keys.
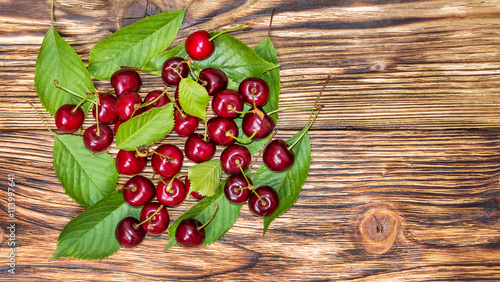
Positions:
{"x": 409, "y": 132}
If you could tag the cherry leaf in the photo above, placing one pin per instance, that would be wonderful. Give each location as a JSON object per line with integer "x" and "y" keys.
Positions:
{"x": 266, "y": 51}
{"x": 287, "y": 184}
{"x": 85, "y": 178}
{"x": 155, "y": 64}
{"x": 193, "y": 98}
{"x": 146, "y": 128}
{"x": 58, "y": 61}
{"x": 205, "y": 177}
{"x": 91, "y": 235}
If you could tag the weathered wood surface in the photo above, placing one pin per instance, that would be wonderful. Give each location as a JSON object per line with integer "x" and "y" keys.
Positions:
{"x": 409, "y": 126}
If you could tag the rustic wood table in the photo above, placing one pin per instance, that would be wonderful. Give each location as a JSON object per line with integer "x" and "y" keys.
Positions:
{"x": 404, "y": 180}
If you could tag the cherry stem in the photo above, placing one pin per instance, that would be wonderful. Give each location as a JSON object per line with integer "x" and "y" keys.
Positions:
{"x": 155, "y": 100}
{"x": 169, "y": 185}
{"x": 132, "y": 68}
{"x": 241, "y": 188}
{"x": 210, "y": 219}
{"x": 305, "y": 131}
{"x": 97, "y": 116}
{"x": 80, "y": 104}
{"x": 319, "y": 94}
{"x": 241, "y": 140}
{"x": 253, "y": 98}
{"x": 163, "y": 156}
{"x": 175, "y": 105}
{"x": 69, "y": 91}
{"x": 40, "y": 116}
{"x": 292, "y": 108}
{"x": 243, "y": 172}
{"x": 206, "y": 131}
{"x": 149, "y": 218}
{"x": 52, "y": 13}
{"x": 131, "y": 188}
{"x": 263, "y": 148}
{"x": 256, "y": 194}
{"x": 228, "y": 30}
{"x": 270, "y": 24}
{"x": 230, "y": 107}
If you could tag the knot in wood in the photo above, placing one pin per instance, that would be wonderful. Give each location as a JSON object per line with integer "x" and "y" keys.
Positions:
{"x": 379, "y": 229}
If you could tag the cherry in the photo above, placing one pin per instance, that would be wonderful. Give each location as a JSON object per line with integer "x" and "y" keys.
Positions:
{"x": 199, "y": 46}
{"x": 253, "y": 122}
{"x": 171, "y": 70}
{"x": 125, "y": 105}
{"x": 233, "y": 191}
{"x": 176, "y": 96}
{"x": 128, "y": 163}
{"x": 258, "y": 87}
{"x": 138, "y": 191}
{"x": 159, "y": 221}
{"x": 128, "y": 233}
{"x": 189, "y": 233}
{"x": 153, "y": 95}
{"x": 185, "y": 125}
{"x": 69, "y": 119}
{"x": 213, "y": 79}
{"x": 277, "y": 156}
{"x": 219, "y": 130}
{"x": 226, "y": 102}
{"x": 171, "y": 195}
{"x": 234, "y": 157}
{"x": 107, "y": 113}
{"x": 117, "y": 124}
{"x": 199, "y": 150}
{"x": 265, "y": 203}
{"x": 195, "y": 194}
{"x": 126, "y": 80}
{"x": 98, "y": 141}
{"x": 167, "y": 160}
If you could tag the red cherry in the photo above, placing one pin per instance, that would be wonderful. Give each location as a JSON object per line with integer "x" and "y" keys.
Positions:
{"x": 185, "y": 125}
{"x": 213, "y": 79}
{"x": 138, "y": 191}
{"x": 233, "y": 157}
{"x": 98, "y": 142}
{"x": 126, "y": 80}
{"x": 107, "y": 113}
{"x": 232, "y": 189}
{"x": 268, "y": 204}
{"x": 171, "y": 70}
{"x": 128, "y": 233}
{"x": 171, "y": 196}
{"x": 153, "y": 95}
{"x": 169, "y": 162}
{"x": 219, "y": 129}
{"x": 128, "y": 163}
{"x": 68, "y": 121}
{"x": 188, "y": 233}
{"x": 258, "y": 87}
{"x": 198, "y": 45}
{"x": 277, "y": 157}
{"x": 159, "y": 222}
{"x": 199, "y": 150}
{"x": 226, "y": 102}
{"x": 195, "y": 194}
{"x": 125, "y": 105}
{"x": 252, "y": 122}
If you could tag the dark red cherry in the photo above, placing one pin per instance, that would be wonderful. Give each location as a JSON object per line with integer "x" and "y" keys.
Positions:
{"x": 213, "y": 79}
{"x": 98, "y": 142}
{"x": 268, "y": 204}
{"x": 232, "y": 189}
{"x": 153, "y": 95}
{"x": 258, "y": 87}
{"x": 167, "y": 161}
{"x": 233, "y": 156}
{"x": 188, "y": 233}
{"x": 128, "y": 163}
{"x": 252, "y": 122}
{"x": 126, "y": 80}
{"x": 219, "y": 129}
{"x": 68, "y": 121}
{"x": 117, "y": 124}
{"x": 198, "y": 45}
{"x": 128, "y": 233}
{"x": 159, "y": 222}
{"x": 195, "y": 194}
{"x": 277, "y": 157}
{"x": 107, "y": 113}
{"x": 176, "y": 96}
{"x": 185, "y": 125}
{"x": 125, "y": 105}
{"x": 171, "y": 196}
{"x": 171, "y": 70}
{"x": 138, "y": 191}
{"x": 226, "y": 102}
{"x": 199, "y": 150}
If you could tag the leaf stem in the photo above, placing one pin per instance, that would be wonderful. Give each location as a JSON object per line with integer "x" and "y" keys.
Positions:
{"x": 270, "y": 24}
{"x": 151, "y": 217}
{"x": 40, "y": 116}
{"x": 52, "y": 13}
{"x": 302, "y": 135}
{"x": 228, "y": 30}
{"x": 210, "y": 219}
{"x": 189, "y": 5}
{"x": 319, "y": 94}
{"x": 292, "y": 108}
{"x": 241, "y": 140}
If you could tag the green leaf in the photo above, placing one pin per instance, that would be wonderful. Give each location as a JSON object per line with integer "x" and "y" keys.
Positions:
{"x": 287, "y": 184}
{"x": 58, "y": 61}
{"x": 146, "y": 128}
{"x": 205, "y": 177}
{"x": 135, "y": 44}
{"x": 155, "y": 64}
{"x": 266, "y": 51}
{"x": 91, "y": 235}
{"x": 193, "y": 98}
{"x": 85, "y": 178}
{"x": 224, "y": 218}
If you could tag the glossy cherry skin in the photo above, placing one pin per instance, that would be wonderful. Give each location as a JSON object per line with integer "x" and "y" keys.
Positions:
{"x": 98, "y": 143}
{"x": 153, "y": 95}
{"x": 226, "y": 99}
{"x": 68, "y": 121}
{"x": 198, "y": 45}
{"x": 213, "y": 79}
{"x": 252, "y": 122}
{"x": 218, "y": 129}
{"x": 234, "y": 155}
{"x": 142, "y": 192}
{"x": 185, "y": 125}
{"x": 173, "y": 196}
{"x": 128, "y": 233}
{"x": 117, "y": 125}
{"x": 167, "y": 167}
{"x": 195, "y": 194}
{"x": 125, "y": 105}
{"x": 260, "y": 90}
{"x": 233, "y": 183}
{"x": 277, "y": 157}
{"x": 107, "y": 113}
{"x": 128, "y": 163}
{"x": 188, "y": 233}
{"x": 159, "y": 222}
{"x": 168, "y": 71}
{"x": 198, "y": 150}
{"x": 269, "y": 196}
{"x": 126, "y": 80}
